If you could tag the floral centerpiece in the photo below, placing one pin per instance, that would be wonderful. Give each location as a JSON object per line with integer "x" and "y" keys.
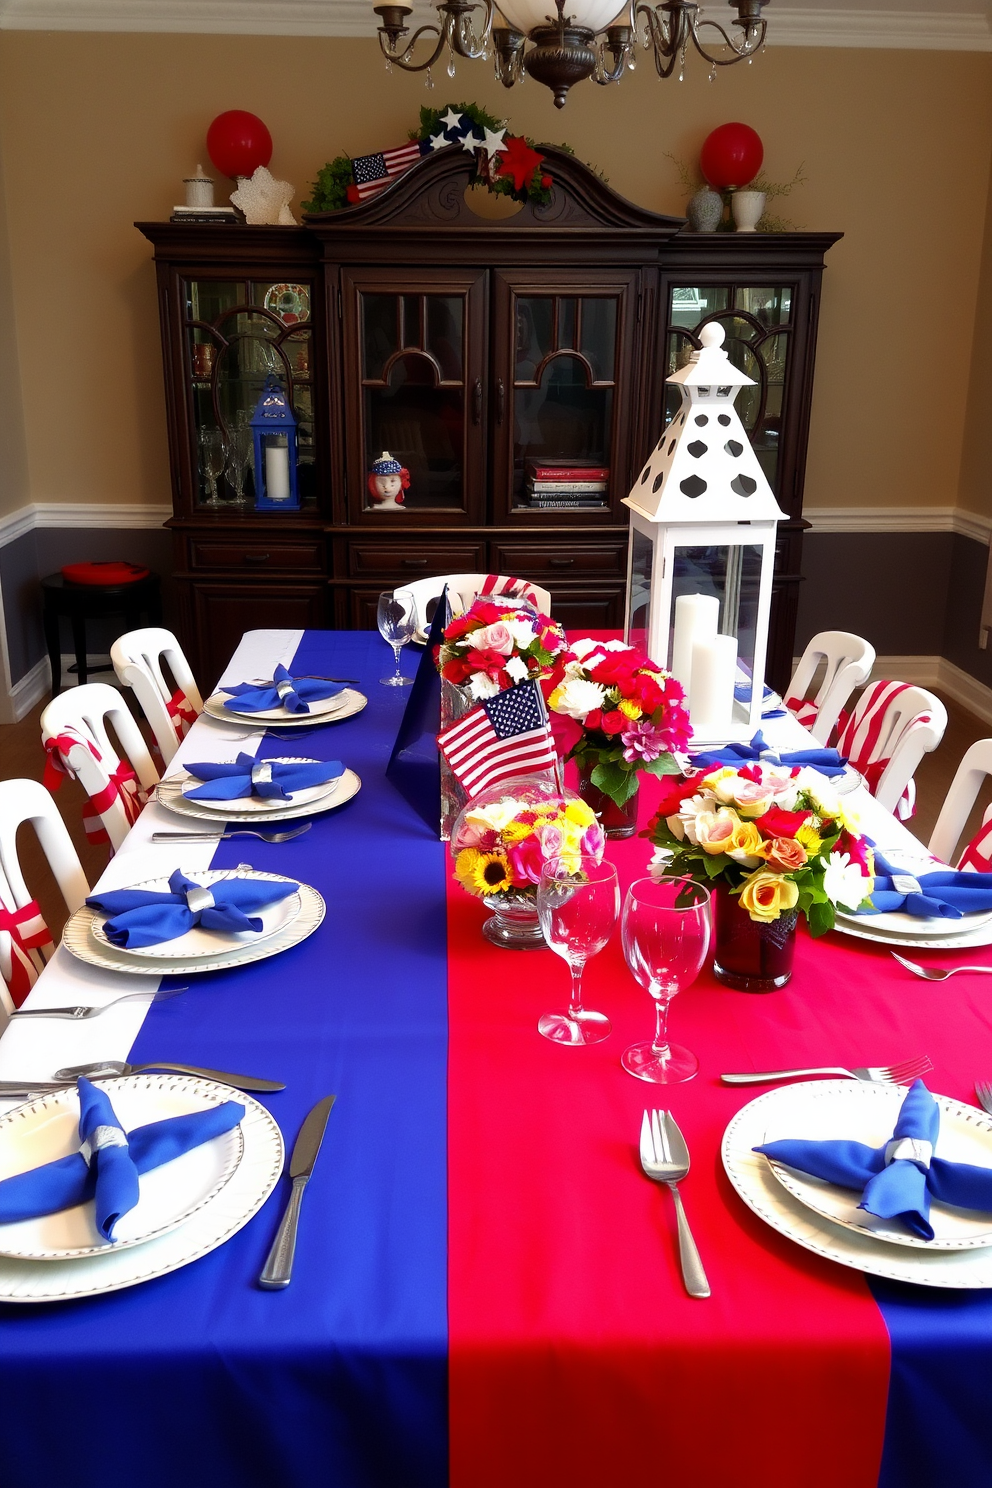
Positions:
{"x": 495, "y": 645}
{"x": 632, "y": 715}
{"x": 501, "y": 841}
{"x": 777, "y": 842}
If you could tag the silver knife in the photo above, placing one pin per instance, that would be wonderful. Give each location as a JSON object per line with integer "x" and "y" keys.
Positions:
{"x": 278, "y": 1269}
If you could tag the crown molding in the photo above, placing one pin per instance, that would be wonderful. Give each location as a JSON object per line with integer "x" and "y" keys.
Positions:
{"x": 900, "y": 519}
{"x": 967, "y": 31}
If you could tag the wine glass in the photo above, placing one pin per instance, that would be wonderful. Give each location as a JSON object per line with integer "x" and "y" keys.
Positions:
{"x": 240, "y": 452}
{"x": 397, "y": 619}
{"x": 667, "y": 926}
{"x": 213, "y": 457}
{"x": 578, "y": 900}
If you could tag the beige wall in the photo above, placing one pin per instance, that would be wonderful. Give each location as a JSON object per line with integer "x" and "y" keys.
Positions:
{"x": 97, "y": 130}
{"x": 976, "y": 462}
{"x": 14, "y": 486}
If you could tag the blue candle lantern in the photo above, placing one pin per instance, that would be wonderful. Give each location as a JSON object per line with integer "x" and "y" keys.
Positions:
{"x": 273, "y": 428}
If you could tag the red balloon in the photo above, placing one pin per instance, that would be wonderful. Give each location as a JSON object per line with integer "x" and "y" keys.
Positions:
{"x": 731, "y": 155}
{"x": 238, "y": 143}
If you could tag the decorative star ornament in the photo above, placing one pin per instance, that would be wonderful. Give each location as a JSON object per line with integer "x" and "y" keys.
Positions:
{"x": 438, "y": 142}
{"x": 518, "y": 161}
{"x": 453, "y": 124}
{"x": 264, "y": 200}
{"x": 471, "y": 141}
{"x": 494, "y": 142}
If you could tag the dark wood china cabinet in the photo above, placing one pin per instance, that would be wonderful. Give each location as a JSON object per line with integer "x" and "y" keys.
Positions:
{"x": 473, "y": 350}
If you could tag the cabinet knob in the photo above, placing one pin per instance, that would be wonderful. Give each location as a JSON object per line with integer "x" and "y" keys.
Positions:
{"x": 500, "y": 400}
{"x": 414, "y": 563}
{"x": 477, "y": 401}
{"x": 255, "y": 557}
{"x": 561, "y": 562}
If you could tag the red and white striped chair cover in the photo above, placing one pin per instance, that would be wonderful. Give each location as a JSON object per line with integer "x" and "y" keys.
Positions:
{"x": 74, "y": 733}
{"x": 25, "y": 940}
{"x": 960, "y": 798}
{"x": 847, "y": 660}
{"x": 171, "y": 711}
{"x": 892, "y": 727}
{"x": 464, "y": 588}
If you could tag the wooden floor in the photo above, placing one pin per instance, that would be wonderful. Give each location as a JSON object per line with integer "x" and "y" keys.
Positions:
{"x": 21, "y": 756}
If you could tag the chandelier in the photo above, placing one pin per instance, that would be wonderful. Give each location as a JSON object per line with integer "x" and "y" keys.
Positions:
{"x": 592, "y": 40}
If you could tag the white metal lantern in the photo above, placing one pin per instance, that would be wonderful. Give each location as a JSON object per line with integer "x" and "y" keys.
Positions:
{"x": 703, "y": 520}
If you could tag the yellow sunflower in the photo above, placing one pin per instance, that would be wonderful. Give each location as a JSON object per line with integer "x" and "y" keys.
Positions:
{"x": 466, "y": 864}
{"x": 810, "y": 839}
{"x": 492, "y": 874}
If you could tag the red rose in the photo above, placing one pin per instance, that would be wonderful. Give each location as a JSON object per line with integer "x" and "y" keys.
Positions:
{"x": 490, "y": 662}
{"x": 615, "y": 722}
{"x": 615, "y": 668}
{"x": 594, "y": 719}
{"x": 456, "y": 671}
{"x": 778, "y": 823}
{"x": 647, "y": 692}
{"x": 484, "y": 612}
{"x": 546, "y": 182}
{"x": 460, "y": 627}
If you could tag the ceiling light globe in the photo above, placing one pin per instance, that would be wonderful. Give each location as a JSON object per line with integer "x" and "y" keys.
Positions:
{"x": 592, "y": 15}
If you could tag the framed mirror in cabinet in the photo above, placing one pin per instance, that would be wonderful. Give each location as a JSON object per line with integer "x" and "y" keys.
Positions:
{"x": 514, "y": 368}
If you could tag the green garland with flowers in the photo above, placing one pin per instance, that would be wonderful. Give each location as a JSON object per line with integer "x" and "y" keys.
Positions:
{"x": 525, "y": 181}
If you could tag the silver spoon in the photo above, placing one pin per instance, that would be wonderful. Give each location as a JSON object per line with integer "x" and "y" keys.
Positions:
{"x": 224, "y": 836}
{"x": 935, "y": 973}
{"x": 90, "y": 1011}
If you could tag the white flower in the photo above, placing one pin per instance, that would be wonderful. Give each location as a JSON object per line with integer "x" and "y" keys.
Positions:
{"x": 844, "y": 883}
{"x": 577, "y": 698}
{"x": 820, "y": 789}
{"x": 615, "y": 646}
{"x": 693, "y": 807}
{"x": 517, "y": 668}
{"x": 495, "y": 817}
{"x": 661, "y": 862}
{"x": 522, "y": 630}
{"x": 582, "y": 648}
{"x": 481, "y": 686}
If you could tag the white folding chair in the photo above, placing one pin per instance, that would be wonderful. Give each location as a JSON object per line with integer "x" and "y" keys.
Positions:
{"x": 892, "y": 727}
{"x": 74, "y": 733}
{"x": 464, "y": 588}
{"x": 25, "y": 940}
{"x": 960, "y": 798}
{"x": 848, "y": 662}
{"x": 137, "y": 659}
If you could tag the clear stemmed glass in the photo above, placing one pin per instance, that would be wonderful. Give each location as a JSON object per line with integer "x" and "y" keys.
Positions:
{"x": 667, "y": 927}
{"x": 578, "y": 900}
{"x": 239, "y": 457}
{"x": 397, "y": 619}
{"x": 213, "y": 455}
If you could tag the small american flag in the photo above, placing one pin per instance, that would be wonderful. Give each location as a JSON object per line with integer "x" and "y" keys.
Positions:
{"x": 373, "y": 172}
{"x": 505, "y": 735}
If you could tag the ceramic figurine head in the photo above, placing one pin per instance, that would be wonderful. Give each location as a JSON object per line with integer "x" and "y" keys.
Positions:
{"x": 388, "y": 479}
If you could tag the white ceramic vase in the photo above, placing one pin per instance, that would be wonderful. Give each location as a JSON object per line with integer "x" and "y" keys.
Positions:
{"x": 748, "y": 208}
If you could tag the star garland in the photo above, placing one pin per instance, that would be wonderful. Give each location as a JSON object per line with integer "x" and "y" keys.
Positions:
{"x": 506, "y": 164}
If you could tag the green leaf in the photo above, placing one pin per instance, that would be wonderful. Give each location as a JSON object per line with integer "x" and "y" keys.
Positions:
{"x": 665, "y": 764}
{"x": 618, "y": 784}
{"x": 821, "y": 918}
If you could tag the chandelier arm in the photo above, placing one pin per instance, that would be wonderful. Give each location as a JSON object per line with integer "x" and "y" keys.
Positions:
{"x": 398, "y": 59}
{"x": 463, "y": 39}
{"x": 665, "y": 38}
{"x": 747, "y": 46}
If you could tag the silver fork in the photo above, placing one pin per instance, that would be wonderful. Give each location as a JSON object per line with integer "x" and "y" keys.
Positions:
{"x": 665, "y": 1158}
{"x": 935, "y": 973}
{"x": 224, "y": 836}
{"x": 90, "y": 1011}
{"x": 983, "y": 1089}
{"x": 878, "y": 1074}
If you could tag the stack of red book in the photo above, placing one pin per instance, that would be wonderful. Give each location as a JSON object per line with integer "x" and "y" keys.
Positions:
{"x": 572, "y": 485}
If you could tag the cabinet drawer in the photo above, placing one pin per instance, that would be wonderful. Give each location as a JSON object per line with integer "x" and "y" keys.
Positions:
{"x": 600, "y": 560}
{"x": 414, "y": 560}
{"x": 304, "y": 556}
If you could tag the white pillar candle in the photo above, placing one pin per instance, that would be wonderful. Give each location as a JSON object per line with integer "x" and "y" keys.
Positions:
{"x": 277, "y": 472}
{"x": 711, "y": 697}
{"x": 696, "y": 619}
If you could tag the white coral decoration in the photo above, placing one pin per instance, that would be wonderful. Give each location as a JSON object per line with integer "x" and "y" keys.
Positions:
{"x": 844, "y": 883}
{"x": 264, "y": 200}
{"x": 578, "y": 698}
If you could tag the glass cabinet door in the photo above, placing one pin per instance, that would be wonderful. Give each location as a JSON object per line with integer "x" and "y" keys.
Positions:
{"x": 758, "y": 322}
{"x": 238, "y": 331}
{"x": 414, "y": 389}
{"x": 560, "y": 360}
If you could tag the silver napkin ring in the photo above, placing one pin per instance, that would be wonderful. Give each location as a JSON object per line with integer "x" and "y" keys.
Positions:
{"x": 284, "y": 689}
{"x": 909, "y": 1149}
{"x": 198, "y": 899}
{"x": 905, "y": 883}
{"x": 99, "y": 1137}
{"x": 262, "y": 774}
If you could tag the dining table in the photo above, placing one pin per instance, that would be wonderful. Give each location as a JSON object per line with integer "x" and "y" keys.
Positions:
{"x": 487, "y": 1289}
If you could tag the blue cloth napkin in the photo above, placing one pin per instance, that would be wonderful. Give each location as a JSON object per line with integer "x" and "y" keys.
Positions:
{"x": 265, "y": 779}
{"x": 742, "y": 694}
{"x": 898, "y": 1179}
{"x": 139, "y": 917}
{"x": 292, "y": 693}
{"x": 827, "y": 761}
{"x": 108, "y": 1166}
{"x": 944, "y": 894}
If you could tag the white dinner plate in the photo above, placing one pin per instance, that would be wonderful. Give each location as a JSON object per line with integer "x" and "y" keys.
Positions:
{"x": 215, "y": 1221}
{"x": 859, "y": 927}
{"x": 199, "y": 943}
{"x": 763, "y": 1120}
{"x": 344, "y": 705}
{"x": 169, "y": 794}
{"x": 867, "y": 1113}
{"x": 80, "y": 942}
{"x": 897, "y": 924}
{"x": 47, "y": 1128}
{"x": 247, "y": 806}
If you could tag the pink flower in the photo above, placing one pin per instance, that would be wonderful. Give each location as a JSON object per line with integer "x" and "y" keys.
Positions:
{"x": 593, "y": 842}
{"x": 551, "y": 840}
{"x": 526, "y": 859}
{"x": 493, "y": 638}
{"x": 642, "y": 741}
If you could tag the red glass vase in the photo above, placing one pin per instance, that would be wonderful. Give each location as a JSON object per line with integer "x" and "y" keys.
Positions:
{"x": 752, "y": 955}
{"x": 616, "y": 821}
